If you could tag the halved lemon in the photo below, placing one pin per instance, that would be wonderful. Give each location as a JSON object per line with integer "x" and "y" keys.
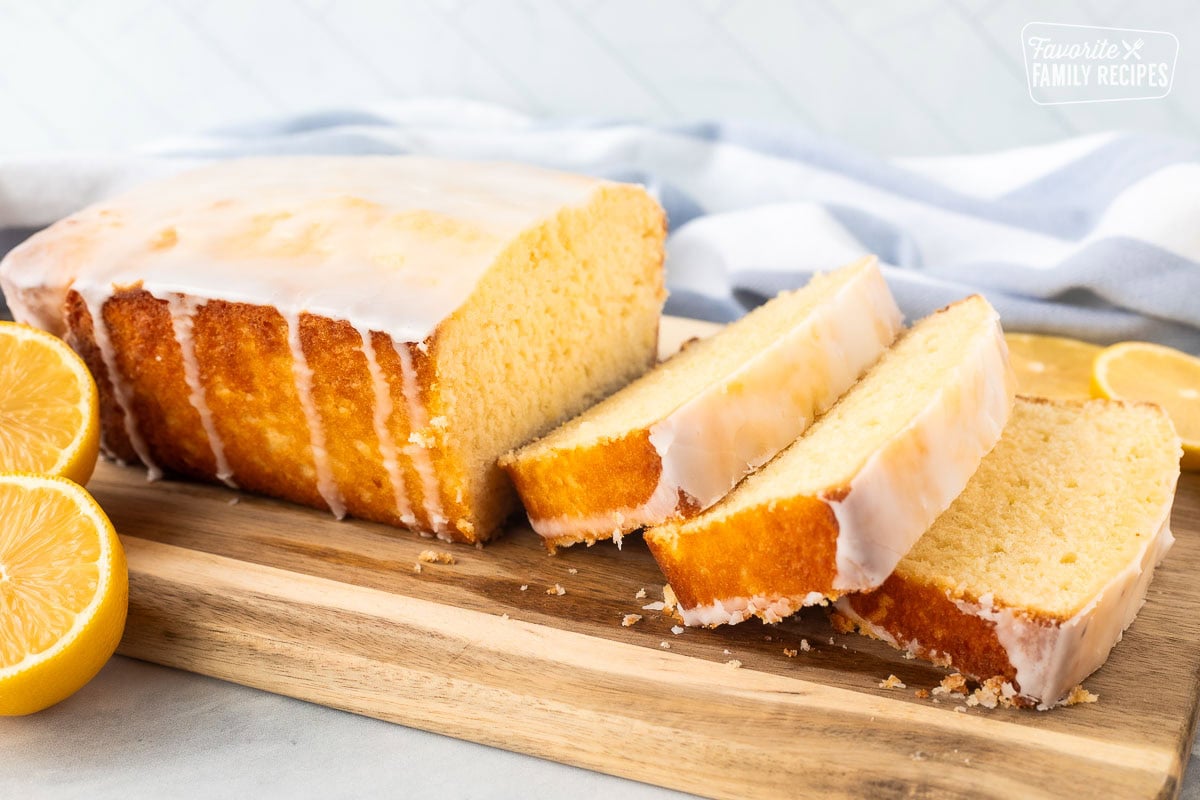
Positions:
{"x": 49, "y": 411}
{"x": 64, "y": 591}
{"x": 1158, "y": 374}
{"x": 1051, "y": 366}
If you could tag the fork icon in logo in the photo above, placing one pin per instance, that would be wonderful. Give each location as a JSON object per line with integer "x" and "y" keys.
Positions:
{"x": 1132, "y": 49}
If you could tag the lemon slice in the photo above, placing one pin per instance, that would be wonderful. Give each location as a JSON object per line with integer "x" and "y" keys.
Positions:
{"x": 1051, "y": 366}
{"x": 49, "y": 412}
{"x": 1157, "y": 374}
{"x": 64, "y": 591}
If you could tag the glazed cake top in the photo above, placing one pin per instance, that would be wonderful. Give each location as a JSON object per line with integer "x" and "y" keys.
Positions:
{"x": 390, "y": 243}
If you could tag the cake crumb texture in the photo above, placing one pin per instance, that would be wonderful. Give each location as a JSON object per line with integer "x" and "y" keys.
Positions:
{"x": 1054, "y": 539}
{"x": 1080, "y": 695}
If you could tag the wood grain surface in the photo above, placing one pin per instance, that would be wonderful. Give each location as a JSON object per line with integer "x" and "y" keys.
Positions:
{"x": 286, "y": 599}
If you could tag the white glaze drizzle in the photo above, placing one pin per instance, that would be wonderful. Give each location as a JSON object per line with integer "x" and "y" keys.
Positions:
{"x": 95, "y": 307}
{"x": 387, "y": 243}
{"x": 904, "y": 485}
{"x": 713, "y": 440}
{"x": 183, "y": 312}
{"x": 709, "y": 443}
{"x": 771, "y": 608}
{"x": 383, "y": 433}
{"x": 1050, "y": 659}
{"x": 661, "y": 505}
{"x": 391, "y": 243}
{"x": 417, "y": 448}
{"x": 907, "y": 483}
{"x": 326, "y": 484}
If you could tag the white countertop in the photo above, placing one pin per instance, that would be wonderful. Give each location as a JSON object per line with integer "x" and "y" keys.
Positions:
{"x": 140, "y": 730}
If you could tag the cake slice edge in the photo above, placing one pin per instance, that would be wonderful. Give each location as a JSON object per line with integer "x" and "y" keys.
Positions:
{"x": 850, "y": 540}
{"x": 1035, "y": 657}
{"x": 667, "y": 469}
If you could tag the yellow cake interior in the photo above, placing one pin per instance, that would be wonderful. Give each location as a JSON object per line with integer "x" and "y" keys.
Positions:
{"x": 1064, "y": 502}
{"x": 697, "y": 366}
{"x": 830, "y": 453}
{"x": 582, "y": 292}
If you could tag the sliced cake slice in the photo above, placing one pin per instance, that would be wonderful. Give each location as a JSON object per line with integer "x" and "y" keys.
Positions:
{"x": 835, "y": 511}
{"x": 677, "y": 439}
{"x": 1042, "y": 562}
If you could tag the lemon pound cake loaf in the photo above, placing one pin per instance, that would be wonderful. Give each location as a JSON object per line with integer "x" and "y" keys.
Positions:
{"x": 678, "y": 439}
{"x": 836, "y": 510}
{"x": 361, "y": 334}
{"x": 1038, "y": 567}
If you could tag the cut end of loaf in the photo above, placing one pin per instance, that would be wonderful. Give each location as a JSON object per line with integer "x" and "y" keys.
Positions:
{"x": 584, "y": 324}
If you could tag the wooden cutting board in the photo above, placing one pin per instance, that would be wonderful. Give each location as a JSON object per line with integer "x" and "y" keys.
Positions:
{"x": 286, "y": 599}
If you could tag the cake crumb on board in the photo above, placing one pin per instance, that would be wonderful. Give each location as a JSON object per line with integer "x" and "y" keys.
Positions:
{"x": 669, "y": 601}
{"x": 733, "y": 662}
{"x": 841, "y": 623}
{"x": 556, "y": 589}
{"x": 790, "y": 653}
{"x": 641, "y": 594}
{"x": 955, "y": 683}
{"x": 892, "y": 682}
{"x": 993, "y": 692}
{"x": 435, "y": 557}
{"x": 629, "y": 620}
{"x": 1080, "y": 695}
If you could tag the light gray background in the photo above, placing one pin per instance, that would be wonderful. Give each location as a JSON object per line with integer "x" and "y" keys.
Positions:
{"x": 915, "y": 78}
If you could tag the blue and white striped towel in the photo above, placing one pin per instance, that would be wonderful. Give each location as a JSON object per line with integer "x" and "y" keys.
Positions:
{"x": 1097, "y": 237}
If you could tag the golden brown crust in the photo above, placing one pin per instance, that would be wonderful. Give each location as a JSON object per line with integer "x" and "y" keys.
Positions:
{"x": 78, "y": 333}
{"x": 246, "y": 369}
{"x": 344, "y": 394}
{"x": 620, "y": 474}
{"x": 789, "y": 550}
{"x": 925, "y": 615}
